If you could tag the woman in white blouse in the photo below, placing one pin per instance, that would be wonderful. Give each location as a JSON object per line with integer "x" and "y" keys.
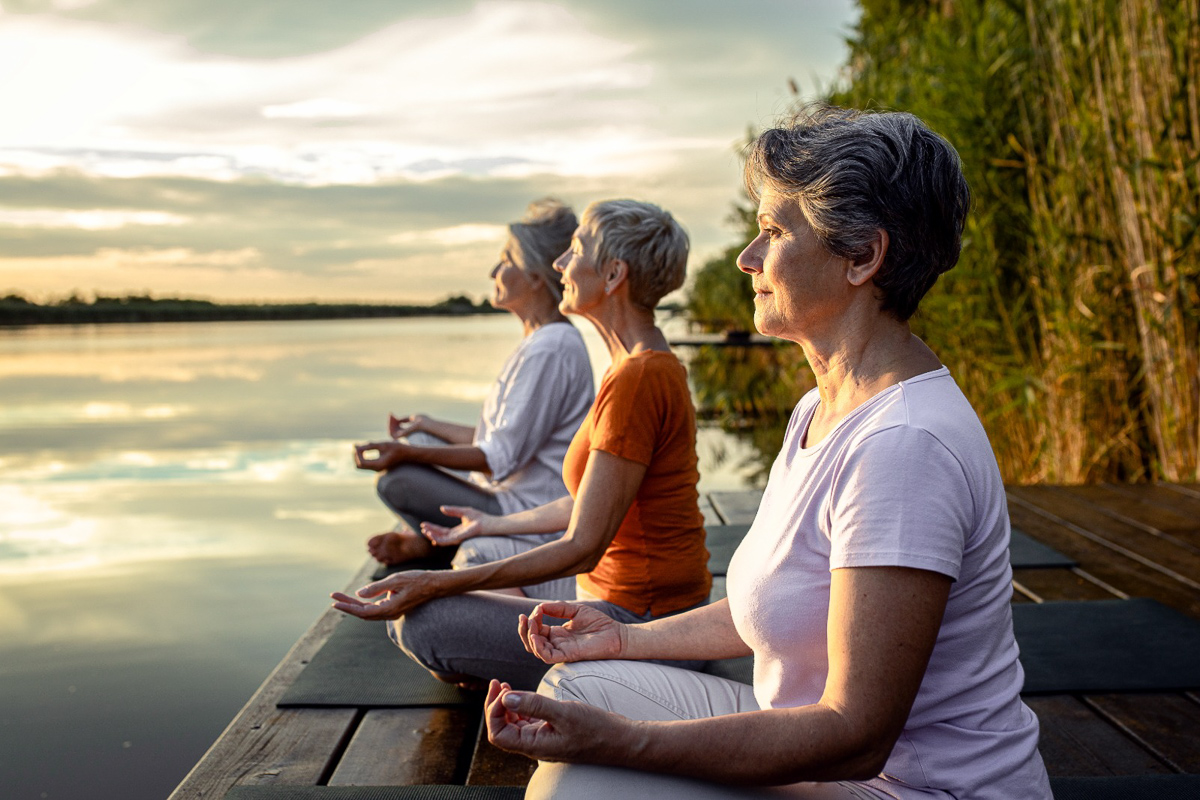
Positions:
{"x": 874, "y": 587}
{"x": 514, "y": 454}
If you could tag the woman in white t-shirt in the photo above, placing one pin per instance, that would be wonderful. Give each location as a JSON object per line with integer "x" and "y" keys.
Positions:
{"x": 873, "y": 589}
{"x": 513, "y": 457}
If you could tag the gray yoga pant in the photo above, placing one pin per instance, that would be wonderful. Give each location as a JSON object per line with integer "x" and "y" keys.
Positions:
{"x": 645, "y": 691}
{"x": 415, "y": 492}
{"x": 475, "y": 634}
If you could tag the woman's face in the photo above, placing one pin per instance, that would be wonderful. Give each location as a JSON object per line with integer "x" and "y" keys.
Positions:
{"x": 799, "y": 286}
{"x": 512, "y": 286}
{"x": 583, "y": 287}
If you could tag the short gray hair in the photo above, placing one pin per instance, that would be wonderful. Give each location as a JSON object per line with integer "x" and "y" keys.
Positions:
{"x": 542, "y": 235}
{"x": 645, "y": 237}
{"x": 854, "y": 173}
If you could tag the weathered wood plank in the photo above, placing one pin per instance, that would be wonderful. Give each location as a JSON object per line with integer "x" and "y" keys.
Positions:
{"x": 1041, "y": 585}
{"x": 1075, "y": 741}
{"x": 1156, "y": 510}
{"x": 404, "y": 746}
{"x": 736, "y": 508}
{"x": 1159, "y": 554}
{"x": 1165, "y": 724}
{"x": 1127, "y": 575}
{"x": 266, "y": 744}
{"x": 491, "y": 766}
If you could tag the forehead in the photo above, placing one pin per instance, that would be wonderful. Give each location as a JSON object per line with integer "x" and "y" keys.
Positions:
{"x": 782, "y": 208}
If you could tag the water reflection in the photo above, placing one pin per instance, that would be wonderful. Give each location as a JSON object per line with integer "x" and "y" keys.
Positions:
{"x": 176, "y": 501}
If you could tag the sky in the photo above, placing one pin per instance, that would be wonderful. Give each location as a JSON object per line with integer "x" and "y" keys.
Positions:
{"x": 369, "y": 150}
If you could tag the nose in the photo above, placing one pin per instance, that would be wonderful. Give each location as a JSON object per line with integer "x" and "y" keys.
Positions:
{"x": 495, "y": 269}
{"x": 750, "y": 260}
{"x": 560, "y": 263}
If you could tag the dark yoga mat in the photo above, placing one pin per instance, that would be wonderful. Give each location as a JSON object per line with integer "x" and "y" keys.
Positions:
{"x": 721, "y": 541}
{"x": 1095, "y": 646}
{"x": 430, "y": 792}
{"x": 360, "y": 667}
{"x": 1026, "y": 552}
{"x": 1137, "y": 787}
{"x": 1107, "y": 646}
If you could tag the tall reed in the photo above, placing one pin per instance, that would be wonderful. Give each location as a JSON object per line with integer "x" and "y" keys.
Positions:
{"x": 1072, "y": 320}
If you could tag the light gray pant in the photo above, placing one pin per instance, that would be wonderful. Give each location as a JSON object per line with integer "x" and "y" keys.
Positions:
{"x": 644, "y": 691}
{"x": 475, "y": 634}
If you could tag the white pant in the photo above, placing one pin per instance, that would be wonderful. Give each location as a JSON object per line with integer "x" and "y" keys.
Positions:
{"x": 653, "y": 692}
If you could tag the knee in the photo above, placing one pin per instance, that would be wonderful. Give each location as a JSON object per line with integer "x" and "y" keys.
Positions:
{"x": 398, "y": 483}
{"x": 571, "y": 682}
{"x": 414, "y": 634}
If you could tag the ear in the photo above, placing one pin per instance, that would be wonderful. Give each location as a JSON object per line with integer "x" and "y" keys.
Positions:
{"x": 863, "y": 269}
{"x": 615, "y": 273}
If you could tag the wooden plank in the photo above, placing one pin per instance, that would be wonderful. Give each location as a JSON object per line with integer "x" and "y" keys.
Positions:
{"x": 1164, "y": 724}
{"x": 1133, "y": 541}
{"x": 711, "y": 517}
{"x": 265, "y": 744}
{"x": 736, "y": 508}
{"x": 404, "y": 746}
{"x": 1041, "y": 585}
{"x": 491, "y": 766}
{"x": 1075, "y": 741}
{"x": 1156, "y": 510}
{"x": 1127, "y": 575}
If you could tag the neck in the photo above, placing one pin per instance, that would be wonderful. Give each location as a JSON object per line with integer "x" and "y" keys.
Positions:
{"x": 625, "y": 328}
{"x": 863, "y": 360}
{"x": 543, "y": 311}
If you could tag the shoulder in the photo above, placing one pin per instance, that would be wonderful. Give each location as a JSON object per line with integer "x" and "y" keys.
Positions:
{"x": 650, "y": 370}
{"x": 557, "y": 339}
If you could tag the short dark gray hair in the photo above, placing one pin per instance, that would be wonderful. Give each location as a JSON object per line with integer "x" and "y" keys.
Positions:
{"x": 854, "y": 173}
{"x": 542, "y": 235}
{"x": 645, "y": 237}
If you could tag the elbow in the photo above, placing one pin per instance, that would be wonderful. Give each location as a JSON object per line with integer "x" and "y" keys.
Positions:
{"x": 868, "y": 758}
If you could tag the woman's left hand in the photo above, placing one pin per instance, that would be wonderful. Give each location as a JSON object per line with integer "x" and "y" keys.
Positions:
{"x": 387, "y": 455}
{"x": 551, "y": 730}
{"x": 402, "y": 592}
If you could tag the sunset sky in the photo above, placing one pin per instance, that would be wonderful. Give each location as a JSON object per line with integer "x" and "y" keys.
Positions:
{"x": 367, "y": 149}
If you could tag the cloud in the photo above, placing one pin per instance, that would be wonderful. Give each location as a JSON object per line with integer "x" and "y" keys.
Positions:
{"x": 326, "y": 152}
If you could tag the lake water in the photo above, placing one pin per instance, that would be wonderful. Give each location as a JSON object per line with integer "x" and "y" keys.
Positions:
{"x": 176, "y": 503}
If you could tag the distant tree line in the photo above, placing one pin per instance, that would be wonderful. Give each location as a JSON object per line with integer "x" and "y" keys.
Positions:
{"x": 74, "y": 310}
{"x": 1073, "y": 318}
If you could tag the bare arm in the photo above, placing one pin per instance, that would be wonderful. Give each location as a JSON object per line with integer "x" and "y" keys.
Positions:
{"x": 391, "y": 453}
{"x": 606, "y": 492}
{"x": 703, "y": 633}
{"x": 883, "y": 623}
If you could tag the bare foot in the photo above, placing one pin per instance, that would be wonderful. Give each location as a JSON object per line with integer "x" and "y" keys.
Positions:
{"x": 396, "y": 547}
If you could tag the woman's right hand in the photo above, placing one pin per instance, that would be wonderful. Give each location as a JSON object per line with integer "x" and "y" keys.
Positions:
{"x": 403, "y": 426}
{"x": 474, "y": 523}
{"x": 587, "y": 635}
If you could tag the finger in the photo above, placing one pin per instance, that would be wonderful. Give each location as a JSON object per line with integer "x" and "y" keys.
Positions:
{"x": 559, "y": 609}
{"x": 375, "y": 589}
{"x": 457, "y": 511}
{"x": 524, "y": 633}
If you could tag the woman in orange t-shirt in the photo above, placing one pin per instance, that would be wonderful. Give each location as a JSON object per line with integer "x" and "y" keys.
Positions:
{"x": 635, "y": 535}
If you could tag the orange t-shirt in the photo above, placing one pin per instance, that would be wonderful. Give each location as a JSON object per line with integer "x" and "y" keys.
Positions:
{"x": 657, "y": 561}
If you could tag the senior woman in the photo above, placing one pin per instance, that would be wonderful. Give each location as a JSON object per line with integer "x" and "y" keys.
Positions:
{"x": 634, "y": 531}
{"x": 514, "y": 454}
{"x": 873, "y": 588}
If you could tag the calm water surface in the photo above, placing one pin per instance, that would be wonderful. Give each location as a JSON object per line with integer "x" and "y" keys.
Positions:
{"x": 176, "y": 503}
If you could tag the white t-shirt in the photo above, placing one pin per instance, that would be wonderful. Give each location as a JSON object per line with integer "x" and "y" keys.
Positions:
{"x": 531, "y": 414}
{"x": 907, "y": 479}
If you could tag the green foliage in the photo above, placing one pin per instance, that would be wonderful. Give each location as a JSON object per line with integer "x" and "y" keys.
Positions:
{"x": 1073, "y": 318}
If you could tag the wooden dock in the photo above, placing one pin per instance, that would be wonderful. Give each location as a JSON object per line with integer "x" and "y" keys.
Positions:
{"x": 1129, "y": 541}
